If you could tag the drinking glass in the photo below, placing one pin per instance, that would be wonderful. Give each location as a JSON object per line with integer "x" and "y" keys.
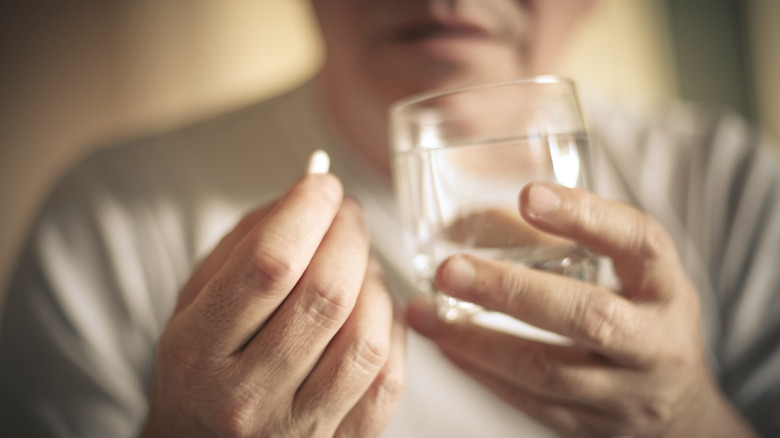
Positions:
{"x": 460, "y": 160}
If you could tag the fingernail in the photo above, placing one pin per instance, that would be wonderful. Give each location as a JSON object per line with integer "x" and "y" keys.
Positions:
{"x": 421, "y": 315}
{"x": 542, "y": 200}
{"x": 457, "y": 276}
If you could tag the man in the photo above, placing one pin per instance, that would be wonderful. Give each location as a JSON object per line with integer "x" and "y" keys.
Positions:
{"x": 286, "y": 327}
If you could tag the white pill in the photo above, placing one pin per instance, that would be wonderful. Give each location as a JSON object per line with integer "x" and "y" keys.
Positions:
{"x": 319, "y": 162}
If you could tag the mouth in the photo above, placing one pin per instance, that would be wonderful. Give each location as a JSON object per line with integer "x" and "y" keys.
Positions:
{"x": 429, "y": 30}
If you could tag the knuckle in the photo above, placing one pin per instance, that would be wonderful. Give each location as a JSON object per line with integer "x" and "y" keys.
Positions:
{"x": 596, "y": 321}
{"x": 544, "y": 374}
{"x": 656, "y": 411}
{"x": 369, "y": 353}
{"x": 183, "y": 358}
{"x": 311, "y": 426}
{"x": 675, "y": 356}
{"x": 651, "y": 415}
{"x": 653, "y": 242}
{"x": 234, "y": 412}
{"x": 234, "y": 419}
{"x": 272, "y": 266}
{"x": 327, "y": 305}
{"x": 391, "y": 385}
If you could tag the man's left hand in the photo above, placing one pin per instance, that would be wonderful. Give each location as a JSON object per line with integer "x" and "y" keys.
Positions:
{"x": 636, "y": 364}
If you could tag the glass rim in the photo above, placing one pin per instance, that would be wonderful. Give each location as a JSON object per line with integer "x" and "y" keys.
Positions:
{"x": 401, "y": 104}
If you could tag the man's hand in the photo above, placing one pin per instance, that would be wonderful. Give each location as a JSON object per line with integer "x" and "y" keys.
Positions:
{"x": 286, "y": 329}
{"x": 636, "y": 365}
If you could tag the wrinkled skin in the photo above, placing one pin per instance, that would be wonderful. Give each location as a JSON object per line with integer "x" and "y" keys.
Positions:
{"x": 286, "y": 329}
{"x": 635, "y": 364}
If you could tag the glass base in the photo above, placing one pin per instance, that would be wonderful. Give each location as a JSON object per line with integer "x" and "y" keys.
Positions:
{"x": 452, "y": 309}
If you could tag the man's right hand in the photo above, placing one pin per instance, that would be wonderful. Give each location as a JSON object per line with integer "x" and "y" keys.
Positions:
{"x": 286, "y": 329}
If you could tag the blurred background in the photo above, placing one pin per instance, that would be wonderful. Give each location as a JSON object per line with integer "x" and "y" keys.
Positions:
{"x": 83, "y": 74}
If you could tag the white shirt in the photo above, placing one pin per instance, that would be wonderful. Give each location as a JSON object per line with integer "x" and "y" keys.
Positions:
{"x": 121, "y": 234}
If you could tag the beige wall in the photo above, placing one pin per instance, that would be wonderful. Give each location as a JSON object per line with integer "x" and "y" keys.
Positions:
{"x": 764, "y": 19}
{"x": 79, "y": 75}
{"x": 623, "y": 51}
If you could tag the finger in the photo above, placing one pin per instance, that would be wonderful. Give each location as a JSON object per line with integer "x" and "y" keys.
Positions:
{"x": 634, "y": 241}
{"x": 556, "y": 372}
{"x": 375, "y": 409}
{"x": 562, "y": 386}
{"x": 305, "y": 323}
{"x": 353, "y": 359}
{"x": 590, "y": 315}
{"x": 262, "y": 268}
{"x": 216, "y": 259}
{"x": 564, "y": 418}
{"x": 572, "y": 418}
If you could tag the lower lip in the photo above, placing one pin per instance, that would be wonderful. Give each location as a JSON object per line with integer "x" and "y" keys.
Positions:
{"x": 448, "y": 42}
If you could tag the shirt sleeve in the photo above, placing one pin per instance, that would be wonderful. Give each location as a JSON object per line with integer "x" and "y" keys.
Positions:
{"x": 742, "y": 202}
{"x": 82, "y": 315}
{"x": 713, "y": 182}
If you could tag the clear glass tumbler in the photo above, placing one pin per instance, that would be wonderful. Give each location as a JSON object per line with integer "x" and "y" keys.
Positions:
{"x": 460, "y": 160}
